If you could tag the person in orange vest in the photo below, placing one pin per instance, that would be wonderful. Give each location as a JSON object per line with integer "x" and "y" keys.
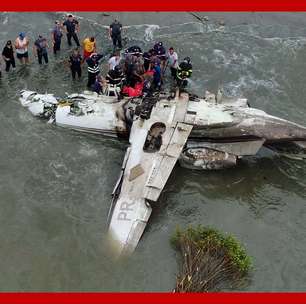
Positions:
{"x": 89, "y": 45}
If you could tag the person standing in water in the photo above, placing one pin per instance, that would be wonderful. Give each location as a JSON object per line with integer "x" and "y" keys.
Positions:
{"x": 41, "y": 49}
{"x": 115, "y": 34}
{"x": 56, "y": 37}
{"x": 21, "y": 46}
{"x": 72, "y": 27}
{"x": 75, "y": 61}
{"x": 8, "y": 56}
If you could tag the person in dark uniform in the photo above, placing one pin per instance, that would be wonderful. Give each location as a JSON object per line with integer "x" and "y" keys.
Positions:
{"x": 72, "y": 28}
{"x": 41, "y": 49}
{"x": 184, "y": 71}
{"x": 8, "y": 56}
{"x": 93, "y": 68}
{"x": 115, "y": 76}
{"x": 160, "y": 53}
{"x": 115, "y": 34}
{"x": 75, "y": 61}
{"x": 56, "y": 37}
{"x": 147, "y": 59}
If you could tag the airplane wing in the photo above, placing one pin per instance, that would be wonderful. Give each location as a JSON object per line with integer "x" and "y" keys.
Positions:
{"x": 156, "y": 144}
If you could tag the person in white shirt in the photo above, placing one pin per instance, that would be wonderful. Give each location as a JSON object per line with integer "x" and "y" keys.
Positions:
{"x": 21, "y": 46}
{"x": 114, "y": 61}
{"x": 172, "y": 61}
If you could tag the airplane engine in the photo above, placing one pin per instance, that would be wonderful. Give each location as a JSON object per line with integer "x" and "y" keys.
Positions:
{"x": 204, "y": 158}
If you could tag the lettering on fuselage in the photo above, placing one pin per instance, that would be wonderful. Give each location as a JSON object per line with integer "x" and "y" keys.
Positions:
{"x": 125, "y": 209}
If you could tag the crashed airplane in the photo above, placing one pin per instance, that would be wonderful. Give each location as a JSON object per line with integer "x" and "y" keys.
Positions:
{"x": 200, "y": 133}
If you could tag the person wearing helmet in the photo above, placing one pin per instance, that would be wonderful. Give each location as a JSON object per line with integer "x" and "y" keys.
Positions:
{"x": 184, "y": 71}
{"x": 134, "y": 50}
{"x": 93, "y": 68}
{"x": 21, "y": 46}
{"x": 160, "y": 53}
{"x": 115, "y": 76}
{"x": 115, "y": 34}
{"x": 72, "y": 27}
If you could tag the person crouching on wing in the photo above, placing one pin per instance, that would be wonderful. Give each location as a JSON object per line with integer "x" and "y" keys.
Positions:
{"x": 115, "y": 76}
{"x": 99, "y": 84}
{"x": 93, "y": 68}
{"x": 184, "y": 71}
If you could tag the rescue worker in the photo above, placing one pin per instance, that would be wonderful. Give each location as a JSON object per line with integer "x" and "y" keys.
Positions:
{"x": 56, "y": 37}
{"x": 115, "y": 34}
{"x": 131, "y": 70}
{"x": 114, "y": 61}
{"x": 157, "y": 76}
{"x": 93, "y": 68}
{"x": 134, "y": 50}
{"x": 99, "y": 84}
{"x": 21, "y": 46}
{"x": 72, "y": 27}
{"x": 154, "y": 59}
{"x": 184, "y": 72}
{"x": 147, "y": 59}
{"x": 172, "y": 62}
{"x": 75, "y": 61}
{"x": 160, "y": 53}
{"x": 40, "y": 48}
{"x": 8, "y": 56}
{"x": 115, "y": 76}
{"x": 90, "y": 47}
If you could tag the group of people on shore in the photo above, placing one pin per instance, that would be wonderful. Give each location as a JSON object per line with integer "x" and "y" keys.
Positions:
{"x": 133, "y": 71}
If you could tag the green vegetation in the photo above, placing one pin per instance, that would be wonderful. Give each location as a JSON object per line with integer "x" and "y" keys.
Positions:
{"x": 211, "y": 260}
